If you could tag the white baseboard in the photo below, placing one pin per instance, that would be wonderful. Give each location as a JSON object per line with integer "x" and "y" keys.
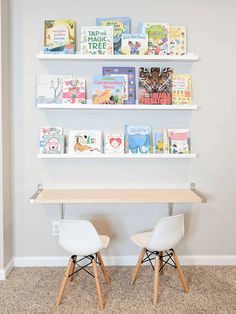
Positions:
{"x": 6, "y": 271}
{"x": 57, "y": 261}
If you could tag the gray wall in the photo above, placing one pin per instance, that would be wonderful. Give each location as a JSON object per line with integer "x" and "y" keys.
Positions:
{"x": 210, "y": 228}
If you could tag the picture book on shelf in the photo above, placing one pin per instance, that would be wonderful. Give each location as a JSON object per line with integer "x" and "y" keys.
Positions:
{"x": 160, "y": 141}
{"x": 158, "y": 37}
{"x": 96, "y": 40}
{"x": 179, "y": 141}
{"x": 121, "y": 25}
{"x": 155, "y": 86}
{"x": 137, "y": 139}
{"x": 181, "y": 89}
{"x": 129, "y": 76}
{"x": 51, "y": 140}
{"x": 59, "y": 37}
{"x": 73, "y": 90}
{"x": 109, "y": 89}
{"x": 113, "y": 143}
{"x": 177, "y": 39}
{"x": 85, "y": 141}
{"x": 134, "y": 44}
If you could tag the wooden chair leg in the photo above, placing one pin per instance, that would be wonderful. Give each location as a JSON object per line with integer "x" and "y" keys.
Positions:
{"x": 181, "y": 274}
{"x": 136, "y": 269}
{"x": 64, "y": 282}
{"x": 104, "y": 270}
{"x": 73, "y": 267}
{"x": 161, "y": 262}
{"x": 98, "y": 285}
{"x": 156, "y": 277}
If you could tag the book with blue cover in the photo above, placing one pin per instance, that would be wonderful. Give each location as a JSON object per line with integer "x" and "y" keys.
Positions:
{"x": 137, "y": 139}
{"x": 129, "y": 75}
{"x": 121, "y": 25}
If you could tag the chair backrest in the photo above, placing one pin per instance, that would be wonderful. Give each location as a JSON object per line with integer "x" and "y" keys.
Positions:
{"x": 167, "y": 233}
{"x": 79, "y": 237}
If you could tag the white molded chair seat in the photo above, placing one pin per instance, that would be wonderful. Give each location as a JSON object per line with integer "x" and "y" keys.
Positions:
{"x": 142, "y": 239}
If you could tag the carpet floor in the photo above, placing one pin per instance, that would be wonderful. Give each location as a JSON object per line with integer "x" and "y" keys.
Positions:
{"x": 34, "y": 290}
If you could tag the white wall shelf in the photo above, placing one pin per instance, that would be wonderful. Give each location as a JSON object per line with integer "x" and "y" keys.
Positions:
{"x": 118, "y": 107}
{"x": 117, "y": 156}
{"x": 72, "y": 57}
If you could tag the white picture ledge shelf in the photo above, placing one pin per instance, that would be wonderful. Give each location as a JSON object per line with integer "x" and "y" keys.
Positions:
{"x": 117, "y": 156}
{"x": 72, "y": 57}
{"x": 118, "y": 107}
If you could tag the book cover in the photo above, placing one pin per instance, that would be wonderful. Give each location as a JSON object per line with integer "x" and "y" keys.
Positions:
{"x": 160, "y": 141}
{"x": 114, "y": 143}
{"x": 158, "y": 37}
{"x": 73, "y": 90}
{"x": 134, "y": 44}
{"x": 129, "y": 76}
{"x": 59, "y": 37}
{"x": 49, "y": 89}
{"x": 179, "y": 141}
{"x": 121, "y": 25}
{"x": 108, "y": 89}
{"x": 51, "y": 140}
{"x": 155, "y": 86}
{"x": 137, "y": 139}
{"x": 85, "y": 141}
{"x": 96, "y": 40}
{"x": 177, "y": 39}
{"x": 181, "y": 89}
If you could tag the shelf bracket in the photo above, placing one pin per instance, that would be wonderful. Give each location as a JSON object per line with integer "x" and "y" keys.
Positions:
{"x": 170, "y": 208}
{"x": 36, "y": 194}
{"x": 62, "y": 210}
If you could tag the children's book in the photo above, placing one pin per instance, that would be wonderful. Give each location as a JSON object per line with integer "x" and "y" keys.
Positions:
{"x": 160, "y": 141}
{"x": 179, "y": 141}
{"x": 158, "y": 37}
{"x": 114, "y": 143}
{"x": 51, "y": 140}
{"x": 155, "y": 86}
{"x": 129, "y": 75}
{"x": 109, "y": 89}
{"x": 181, "y": 89}
{"x": 85, "y": 141}
{"x": 137, "y": 139}
{"x": 96, "y": 40}
{"x": 121, "y": 25}
{"x": 177, "y": 38}
{"x": 134, "y": 44}
{"x": 59, "y": 36}
{"x": 73, "y": 90}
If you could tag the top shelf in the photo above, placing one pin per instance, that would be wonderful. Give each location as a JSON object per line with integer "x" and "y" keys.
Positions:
{"x": 72, "y": 57}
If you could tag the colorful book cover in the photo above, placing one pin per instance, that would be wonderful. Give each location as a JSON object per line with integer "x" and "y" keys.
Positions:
{"x": 179, "y": 141}
{"x": 160, "y": 141}
{"x": 108, "y": 89}
{"x": 137, "y": 139}
{"x": 181, "y": 89}
{"x": 85, "y": 141}
{"x": 51, "y": 140}
{"x": 49, "y": 89}
{"x": 114, "y": 143}
{"x": 155, "y": 86}
{"x": 177, "y": 39}
{"x": 59, "y": 37}
{"x": 134, "y": 44}
{"x": 96, "y": 40}
{"x": 73, "y": 90}
{"x": 121, "y": 25}
{"x": 129, "y": 76}
{"x": 158, "y": 37}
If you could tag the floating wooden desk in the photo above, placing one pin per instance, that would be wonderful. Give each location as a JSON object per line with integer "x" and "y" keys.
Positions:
{"x": 94, "y": 196}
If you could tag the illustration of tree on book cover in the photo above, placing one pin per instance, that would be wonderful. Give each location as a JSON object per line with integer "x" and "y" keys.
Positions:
{"x": 59, "y": 37}
{"x": 155, "y": 86}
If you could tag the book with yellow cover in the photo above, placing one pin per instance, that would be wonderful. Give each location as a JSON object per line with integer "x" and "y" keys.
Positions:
{"x": 181, "y": 89}
{"x": 177, "y": 45}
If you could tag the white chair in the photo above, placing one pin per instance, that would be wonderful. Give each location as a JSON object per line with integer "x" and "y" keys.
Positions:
{"x": 167, "y": 233}
{"x": 80, "y": 238}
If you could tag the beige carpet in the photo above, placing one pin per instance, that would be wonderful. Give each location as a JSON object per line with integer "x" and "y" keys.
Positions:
{"x": 34, "y": 290}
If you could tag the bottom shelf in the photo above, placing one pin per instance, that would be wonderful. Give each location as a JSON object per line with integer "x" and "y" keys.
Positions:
{"x": 117, "y": 156}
